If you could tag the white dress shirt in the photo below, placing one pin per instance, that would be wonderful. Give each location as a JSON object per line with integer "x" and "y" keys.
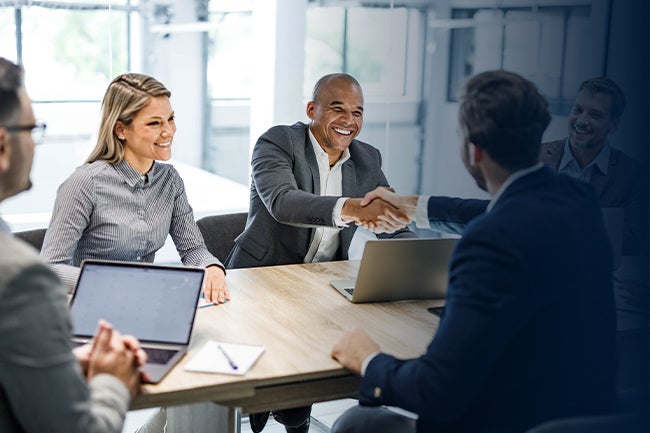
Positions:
{"x": 326, "y": 239}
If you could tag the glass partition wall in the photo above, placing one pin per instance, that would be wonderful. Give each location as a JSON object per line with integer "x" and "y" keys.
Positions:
{"x": 237, "y": 67}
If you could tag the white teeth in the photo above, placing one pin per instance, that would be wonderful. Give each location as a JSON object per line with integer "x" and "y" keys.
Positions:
{"x": 343, "y": 131}
{"x": 169, "y": 143}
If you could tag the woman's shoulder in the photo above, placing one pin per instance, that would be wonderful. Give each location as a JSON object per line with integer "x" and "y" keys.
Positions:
{"x": 84, "y": 174}
{"x": 165, "y": 169}
{"x": 167, "y": 175}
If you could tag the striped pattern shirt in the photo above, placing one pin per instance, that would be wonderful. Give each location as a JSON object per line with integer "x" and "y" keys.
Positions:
{"x": 111, "y": 211}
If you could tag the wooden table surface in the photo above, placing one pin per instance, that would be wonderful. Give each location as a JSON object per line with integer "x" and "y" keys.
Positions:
{"x": 297, "y": 316}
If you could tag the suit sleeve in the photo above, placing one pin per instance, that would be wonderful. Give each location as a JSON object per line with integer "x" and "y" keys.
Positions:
{"x": 451, "y": 215}
{"x": 635, "y": 205}
{"x": 278, "y": 166}
{"x": 40, "y": 378}
{"x": 481, "y": 316}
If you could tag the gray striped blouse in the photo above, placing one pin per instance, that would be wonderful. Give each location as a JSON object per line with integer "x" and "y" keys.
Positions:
{"x": 110, "y": 211}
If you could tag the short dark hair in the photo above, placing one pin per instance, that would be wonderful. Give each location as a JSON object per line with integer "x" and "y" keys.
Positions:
{"x": 11, "y": 79}
{"x": 504, "y": 114}
{"x": 608, "y": 87}
{"x": 322, "y": 81}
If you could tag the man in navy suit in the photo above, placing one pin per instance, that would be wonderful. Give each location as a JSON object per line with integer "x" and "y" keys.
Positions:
{"x": 528, "y": 332}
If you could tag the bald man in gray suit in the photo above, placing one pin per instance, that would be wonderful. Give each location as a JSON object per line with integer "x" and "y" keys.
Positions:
{"x": 306, "y": 189}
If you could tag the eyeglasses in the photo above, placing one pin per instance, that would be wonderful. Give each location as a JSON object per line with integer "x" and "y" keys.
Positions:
{"x": 37, "y": 130}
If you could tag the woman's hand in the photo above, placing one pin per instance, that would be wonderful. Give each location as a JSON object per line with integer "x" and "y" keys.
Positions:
{"x": 214, "y": 287}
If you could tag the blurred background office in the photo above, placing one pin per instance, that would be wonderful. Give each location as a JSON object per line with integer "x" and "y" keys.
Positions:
{"x": 237, "y": 67}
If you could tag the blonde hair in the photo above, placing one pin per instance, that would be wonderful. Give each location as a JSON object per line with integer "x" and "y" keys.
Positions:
{"x": 125, "y": 97}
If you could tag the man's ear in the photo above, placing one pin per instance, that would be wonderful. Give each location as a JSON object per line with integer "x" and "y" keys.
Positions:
{"x": 476, "y": 154}
{"x": 309, "y": 110}
{"x": 615, "y": 125}
{"x": 5, "y": 150}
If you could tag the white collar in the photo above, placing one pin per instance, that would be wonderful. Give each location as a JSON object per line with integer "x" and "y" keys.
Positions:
{"x": 322, "y": 155}
{"x": 511, "y": 179}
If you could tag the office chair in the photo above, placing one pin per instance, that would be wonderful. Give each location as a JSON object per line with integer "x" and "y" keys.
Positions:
{"x": 33, "y": 237}
{"x": 624, "y": 422}
{"x": 220, "y": 231}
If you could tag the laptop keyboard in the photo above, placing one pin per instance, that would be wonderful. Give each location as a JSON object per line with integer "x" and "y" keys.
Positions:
{"x": 350, "y": 291}
{"x": 154, "y": 356}
{"x": 158, "y": 356}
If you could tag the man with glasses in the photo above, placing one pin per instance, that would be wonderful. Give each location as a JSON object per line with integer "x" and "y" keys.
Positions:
{"x": 44, "y": 385}
{"x": 37, "y": 130}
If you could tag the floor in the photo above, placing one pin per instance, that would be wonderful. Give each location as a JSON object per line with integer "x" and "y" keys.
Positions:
{"x": 323, "y": 416}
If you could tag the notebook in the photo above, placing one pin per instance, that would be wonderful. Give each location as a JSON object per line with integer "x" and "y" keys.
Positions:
{"x": 155, "y": 303}
{"x": 400, "y": 269}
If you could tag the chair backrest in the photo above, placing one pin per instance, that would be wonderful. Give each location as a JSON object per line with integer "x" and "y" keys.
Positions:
{"x": 33, "y": 237}
{"x": 220, "y": 231}
{"x": 628, "y": 422}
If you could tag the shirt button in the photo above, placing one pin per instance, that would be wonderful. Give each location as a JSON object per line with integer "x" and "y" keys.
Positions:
{"x": 377, "y": 392}
{"x": 138, "y": 258}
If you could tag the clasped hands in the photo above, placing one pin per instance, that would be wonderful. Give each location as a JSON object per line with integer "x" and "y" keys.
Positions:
{"x": 114, "y": 354}
{"x": 380, "y": 210}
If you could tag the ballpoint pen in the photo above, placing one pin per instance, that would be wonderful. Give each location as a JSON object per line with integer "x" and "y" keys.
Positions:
{"x": 230, "y": 361}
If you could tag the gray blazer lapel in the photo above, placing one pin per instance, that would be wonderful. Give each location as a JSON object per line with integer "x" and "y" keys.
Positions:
{"x": 348, "y": 189}
{"x": 313, "y": 164}
{"x": 349, "y": 183}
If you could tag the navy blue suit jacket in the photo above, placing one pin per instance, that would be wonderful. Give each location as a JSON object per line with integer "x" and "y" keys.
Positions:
{"x": 528, "y": 332}
{"x": 625, "y": 186}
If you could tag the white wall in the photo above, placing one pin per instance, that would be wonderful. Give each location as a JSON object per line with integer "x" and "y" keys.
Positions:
{"x": 177, "y": 62}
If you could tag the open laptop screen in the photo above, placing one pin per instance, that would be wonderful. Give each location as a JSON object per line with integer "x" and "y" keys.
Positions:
{"x": 151, "y": 302}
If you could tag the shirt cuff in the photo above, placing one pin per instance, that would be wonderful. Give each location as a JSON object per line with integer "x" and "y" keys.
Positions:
{"x": 422, "y": 213}
{"x": 366, "y": 361}
{"x": 336, "y": 212}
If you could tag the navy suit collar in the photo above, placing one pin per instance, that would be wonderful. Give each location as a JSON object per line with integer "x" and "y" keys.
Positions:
{"x": 537, "y": 178}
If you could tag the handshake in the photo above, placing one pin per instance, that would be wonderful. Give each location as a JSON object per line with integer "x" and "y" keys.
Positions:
{"x": 380, "y": 210}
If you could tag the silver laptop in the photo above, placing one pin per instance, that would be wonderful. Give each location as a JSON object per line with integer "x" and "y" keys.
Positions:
{"x": 154, "y": 303}
{"x": 400, "y": 269}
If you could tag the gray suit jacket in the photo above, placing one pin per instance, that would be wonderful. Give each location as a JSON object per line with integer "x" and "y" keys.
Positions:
{"x": 285, "y": 201}
{"x": 625, "y": 186}
{"x": 41, "y": 384}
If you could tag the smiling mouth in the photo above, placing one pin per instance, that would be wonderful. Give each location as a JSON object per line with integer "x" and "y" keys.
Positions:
{"x": 580, "y": 130}
{"x": 164, "y": 145}
{"x": 343, "y": 131}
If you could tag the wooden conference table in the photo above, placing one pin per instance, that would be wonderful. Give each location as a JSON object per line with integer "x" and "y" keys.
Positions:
{"x": 297, "y": 316}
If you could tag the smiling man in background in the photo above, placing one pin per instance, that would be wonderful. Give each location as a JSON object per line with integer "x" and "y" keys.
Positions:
{"x": 587, "y": 154}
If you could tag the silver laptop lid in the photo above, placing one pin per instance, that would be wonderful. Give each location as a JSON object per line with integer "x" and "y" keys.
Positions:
{"x": 154, "y": 303}
{"x": 401, "y": 269}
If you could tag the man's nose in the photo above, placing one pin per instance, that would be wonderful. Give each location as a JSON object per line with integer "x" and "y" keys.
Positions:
{"x": 582, "y": 119}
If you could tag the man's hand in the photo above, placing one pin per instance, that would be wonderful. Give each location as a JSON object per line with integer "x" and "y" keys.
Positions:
{"x": 381, "y": 215}
{"x": 214, "y": 286}
{"x": 353, "y": 348}
{"x": 110, "y": 354}
{"x": 406, "y": 204}
{"x": 82, "y": 353}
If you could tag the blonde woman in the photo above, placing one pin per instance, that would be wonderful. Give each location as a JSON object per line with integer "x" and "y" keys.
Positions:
{"x": 122, "y": 203}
